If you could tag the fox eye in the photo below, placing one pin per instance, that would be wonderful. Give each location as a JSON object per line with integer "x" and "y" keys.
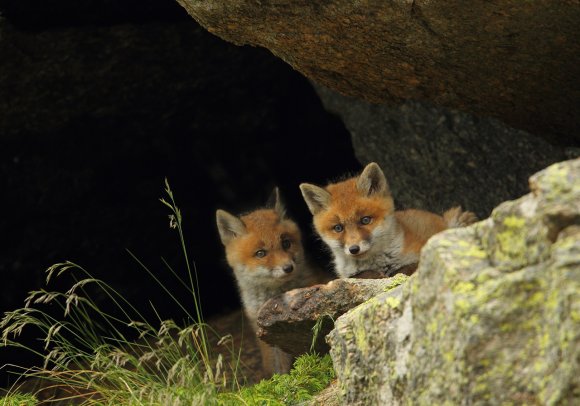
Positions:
{"x": 286, "y": 244}
{"x": 338, "y": 228}
{"x": 260, "y": 253}
{"x": 366, "y": 220}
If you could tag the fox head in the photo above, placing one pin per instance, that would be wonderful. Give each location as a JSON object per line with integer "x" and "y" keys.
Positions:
{"x": 262, "y": 246}
{"x": 350, "y": 215}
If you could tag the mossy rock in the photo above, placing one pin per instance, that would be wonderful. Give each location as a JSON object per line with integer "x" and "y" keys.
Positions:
{"x": 492, "y": 315}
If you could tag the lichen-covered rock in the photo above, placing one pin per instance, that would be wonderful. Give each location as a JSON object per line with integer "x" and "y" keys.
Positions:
{"x": 514, "y": 60}
{"x": 492, "y": 315}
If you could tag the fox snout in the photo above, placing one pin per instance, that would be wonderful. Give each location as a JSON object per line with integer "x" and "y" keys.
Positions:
{"x": 357, "y": 248}
{"x": 283, "y": 270}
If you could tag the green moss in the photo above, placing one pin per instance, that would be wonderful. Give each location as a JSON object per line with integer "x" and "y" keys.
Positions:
{"x": 18, "y": 399}
{"x": 310, "y": 374}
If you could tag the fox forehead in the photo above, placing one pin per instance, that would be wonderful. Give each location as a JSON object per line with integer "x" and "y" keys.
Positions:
{"x": 265, "y": 228}
{"x": 348, "y": 204}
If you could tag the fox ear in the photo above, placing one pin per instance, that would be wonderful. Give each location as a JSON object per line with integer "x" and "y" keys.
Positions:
{"x": 229, "y": 226}
{"x": 372, "y": 181}
{"x": 275, "y": 202}
{"x": 317, "y": 199}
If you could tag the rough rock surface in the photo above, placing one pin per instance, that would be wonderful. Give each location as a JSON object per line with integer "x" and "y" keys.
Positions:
{"x": 286, "y": 321}
{"x": 514, "y": 60}
{"x": 435, "y": 158}
{"x": 492, "y": 315}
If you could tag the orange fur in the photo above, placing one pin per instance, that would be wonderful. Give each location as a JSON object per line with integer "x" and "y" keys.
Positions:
{"x": 265, "y": 230}
{"x": 418, "y": 226}
{"x": 390, "y": 241}
{"x": 347, "y": 208}
{"x": 279, "y": 267}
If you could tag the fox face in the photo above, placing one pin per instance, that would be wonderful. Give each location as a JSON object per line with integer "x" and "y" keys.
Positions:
{"x": 263, "y": 247}
{"x": 353, "y": 217}
{"x": 351, "y": 226}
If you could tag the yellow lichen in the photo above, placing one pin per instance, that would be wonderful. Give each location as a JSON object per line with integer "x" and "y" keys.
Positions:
{"x": 432, "y": 326}
{"x": 475, "y": 251}
{"x": 463, "y": 287}
{"x": 395, "y": 281}
{"x": 512, "y": 241}
{"x": 463, "y": 305}
{"x": 514, "y": 222}
{"x": 536, "y": 298}
{"x": 360, "y": 337}
{"x": 393, "y": 302}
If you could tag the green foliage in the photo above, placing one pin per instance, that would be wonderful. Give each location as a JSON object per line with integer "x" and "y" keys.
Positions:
{"x": 92, "y": 357}
{"x": 310, "y": 374}
{"x": 17, "y": 399}
{"x": 317, "y": 328}
{"x": 119, "y": 357}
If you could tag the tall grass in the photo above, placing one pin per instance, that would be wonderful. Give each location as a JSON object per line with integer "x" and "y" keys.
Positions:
{"x": 118, "y": 357}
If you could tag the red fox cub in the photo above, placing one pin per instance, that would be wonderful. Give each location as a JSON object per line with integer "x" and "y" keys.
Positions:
{"x": 356, "y": 218}
{"x": 264, "y": 249}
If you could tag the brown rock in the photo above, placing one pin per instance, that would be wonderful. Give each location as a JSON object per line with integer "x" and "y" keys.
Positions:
{"x": 514, "y": 60}
{"x": 287, "y": 321}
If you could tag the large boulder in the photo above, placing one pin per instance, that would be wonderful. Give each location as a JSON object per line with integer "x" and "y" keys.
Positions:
{"x": 514, "y": 60}
{"x": 492, "y": 315}
{"x": 435, "y": 158}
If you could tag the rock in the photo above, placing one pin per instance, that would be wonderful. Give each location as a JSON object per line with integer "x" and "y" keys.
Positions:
{"x": 327, "y": 397}
{"x": 514, "y": 60}
{"x": 286, "y": 321}
{"x": 492, "y": 315}
{"x": 435, "y": 158}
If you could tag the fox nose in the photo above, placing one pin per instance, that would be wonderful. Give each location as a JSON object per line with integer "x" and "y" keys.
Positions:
{"x": 288, "y": 268}
{"x": 354, "y": 249}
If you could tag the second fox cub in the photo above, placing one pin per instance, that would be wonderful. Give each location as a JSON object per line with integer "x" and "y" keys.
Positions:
{"x": 356, "y": 218}
{"x": 265, "y": 251}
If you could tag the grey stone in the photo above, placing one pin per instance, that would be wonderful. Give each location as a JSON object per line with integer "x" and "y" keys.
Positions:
{"x": 492, "y": 315}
